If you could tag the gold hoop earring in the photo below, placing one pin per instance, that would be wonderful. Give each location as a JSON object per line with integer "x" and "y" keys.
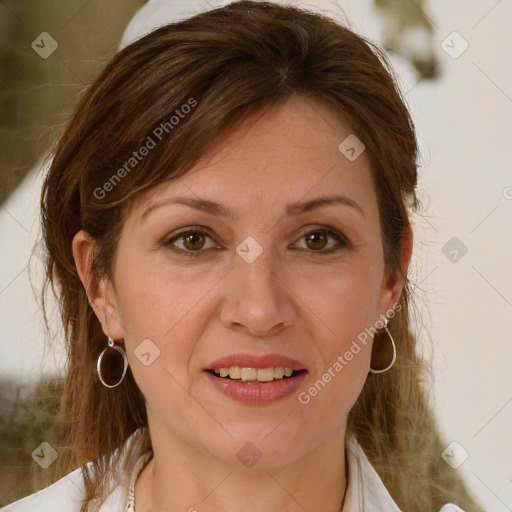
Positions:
{"x": 112, "y": 365}
{"x": 393, "y": 359}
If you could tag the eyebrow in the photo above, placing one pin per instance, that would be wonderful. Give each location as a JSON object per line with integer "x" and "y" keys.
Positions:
{"x": 220, "y": 210}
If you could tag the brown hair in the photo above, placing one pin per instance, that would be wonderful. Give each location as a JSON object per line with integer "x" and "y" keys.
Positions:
{"x": 233, "y": 62}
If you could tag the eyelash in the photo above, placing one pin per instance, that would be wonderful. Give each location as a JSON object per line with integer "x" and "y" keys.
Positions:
{"x": 194, "y": 254}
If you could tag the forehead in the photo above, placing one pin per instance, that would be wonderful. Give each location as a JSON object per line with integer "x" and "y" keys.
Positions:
{"x": 286, "y": 153}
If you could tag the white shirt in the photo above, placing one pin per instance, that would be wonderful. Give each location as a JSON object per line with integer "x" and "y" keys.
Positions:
{"x": 365, "y": 491}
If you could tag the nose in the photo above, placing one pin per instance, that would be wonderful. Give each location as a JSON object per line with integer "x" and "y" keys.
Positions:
{"x": 258, "y": 300}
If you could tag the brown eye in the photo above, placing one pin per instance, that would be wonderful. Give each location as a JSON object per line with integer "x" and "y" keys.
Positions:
{"x": 193, "y": 241}
{"x": 190, "y": 243}
{"x": 316, "y": 240}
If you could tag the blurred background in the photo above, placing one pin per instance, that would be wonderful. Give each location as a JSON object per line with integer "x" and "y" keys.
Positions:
{"x": 454, "y": 63}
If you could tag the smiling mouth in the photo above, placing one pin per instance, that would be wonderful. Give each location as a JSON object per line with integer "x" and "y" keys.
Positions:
{"x": 255, "y": 375}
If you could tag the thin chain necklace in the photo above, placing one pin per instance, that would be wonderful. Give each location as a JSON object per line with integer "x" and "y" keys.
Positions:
{"x": 137, "y": 470}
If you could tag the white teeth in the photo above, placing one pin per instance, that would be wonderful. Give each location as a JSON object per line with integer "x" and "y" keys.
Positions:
{"x": 247, "y": 374}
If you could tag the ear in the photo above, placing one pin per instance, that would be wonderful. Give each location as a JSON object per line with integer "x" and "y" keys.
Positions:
{"x": 99, "y": 290}
{"x": 392, "y": 287}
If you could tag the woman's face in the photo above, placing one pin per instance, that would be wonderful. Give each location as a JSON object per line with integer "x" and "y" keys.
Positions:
{"x": 261, "y": 275}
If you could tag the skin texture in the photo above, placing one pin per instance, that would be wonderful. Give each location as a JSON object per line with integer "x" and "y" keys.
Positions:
{"x": 292, "y": 300}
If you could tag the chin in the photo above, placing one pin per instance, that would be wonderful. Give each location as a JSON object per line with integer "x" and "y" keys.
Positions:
{"x": 255, "y": 449}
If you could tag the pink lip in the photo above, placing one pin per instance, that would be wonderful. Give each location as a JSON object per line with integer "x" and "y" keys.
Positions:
{"x": 253, "y": 361}
{"x": 259, "y": 393}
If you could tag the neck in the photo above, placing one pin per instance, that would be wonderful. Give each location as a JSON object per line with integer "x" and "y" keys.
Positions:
{"x": 180, "y": 477}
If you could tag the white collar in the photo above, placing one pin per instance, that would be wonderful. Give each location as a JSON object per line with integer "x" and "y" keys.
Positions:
{"x": 365, "y": 491}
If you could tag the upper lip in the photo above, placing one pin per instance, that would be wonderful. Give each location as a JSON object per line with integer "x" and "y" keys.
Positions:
{"x": 256, "y": 361}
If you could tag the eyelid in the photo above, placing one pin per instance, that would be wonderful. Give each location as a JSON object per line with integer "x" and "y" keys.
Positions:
{"x": 185, "y": 231}
{"x": 331, "y": 232}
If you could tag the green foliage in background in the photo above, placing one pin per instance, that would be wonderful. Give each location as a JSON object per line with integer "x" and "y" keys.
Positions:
{"x": 28, "y": 416}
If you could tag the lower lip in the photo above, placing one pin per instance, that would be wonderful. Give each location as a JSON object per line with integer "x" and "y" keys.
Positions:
{"x": 258, "y": 393}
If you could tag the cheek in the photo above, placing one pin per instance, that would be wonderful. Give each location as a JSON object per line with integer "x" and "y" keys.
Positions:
{"x": 344, "y": 301}
{"x": 344, "y": 306}
{"x": 333, "y": 389}
{"x": 162, "y": 313}
{"x": 154, "y": 296}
